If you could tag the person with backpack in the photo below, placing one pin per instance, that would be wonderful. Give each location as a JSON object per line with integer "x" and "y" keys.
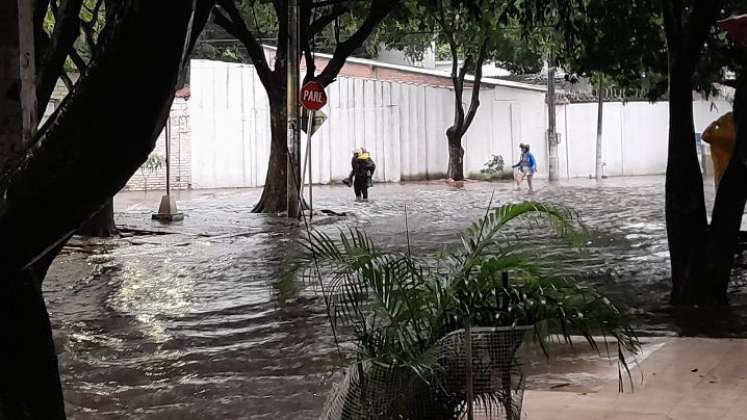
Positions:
{"x": 361, "y": 176}
{"x": 527, "y": 167}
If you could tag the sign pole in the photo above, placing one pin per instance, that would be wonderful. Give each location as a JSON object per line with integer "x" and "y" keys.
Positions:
{"x": 313, "y": 98}
{"x": 307, "y": 155}
{"x": 312, "y": 115}
{"x": 168, "y": 155}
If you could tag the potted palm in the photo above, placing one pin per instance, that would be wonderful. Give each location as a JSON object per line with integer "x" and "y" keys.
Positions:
{"x": 436, "y": 336}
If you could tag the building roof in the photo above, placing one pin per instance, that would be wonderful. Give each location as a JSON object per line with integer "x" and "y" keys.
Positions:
{"x": 428, "y": 72}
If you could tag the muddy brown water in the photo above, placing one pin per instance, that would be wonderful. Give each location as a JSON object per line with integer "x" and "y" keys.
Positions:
{"x": 201, "y": 324}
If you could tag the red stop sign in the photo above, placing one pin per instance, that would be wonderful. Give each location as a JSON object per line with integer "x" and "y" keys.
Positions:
{"x": 313, "y": 96}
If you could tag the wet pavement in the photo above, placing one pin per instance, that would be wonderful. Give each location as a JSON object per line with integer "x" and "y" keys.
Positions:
{"x": 200, "y": 321}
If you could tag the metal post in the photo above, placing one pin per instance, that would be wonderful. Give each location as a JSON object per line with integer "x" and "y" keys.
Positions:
{"x": 312, "y": 115}
{"x": 468, "y": 379}
{"x": 168, "y": 155}
{"x": 552, "y": 136}
{"x": 167, "y": 210}
{"x": 294, "y": 139}
{"x": 598, "y": 171}
{"x": 307, "y": 162}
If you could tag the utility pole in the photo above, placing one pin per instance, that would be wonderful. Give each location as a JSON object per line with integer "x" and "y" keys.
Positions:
{"x": 167, "y": 210}
{"x": 18, "y": 117}
{"x": 552, "y": 135}
{"x": 600, "y": 120}
{"x": 294, "y": 135}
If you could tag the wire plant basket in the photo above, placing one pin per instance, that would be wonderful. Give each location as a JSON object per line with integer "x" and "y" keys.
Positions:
{"x": 478, "y": 376}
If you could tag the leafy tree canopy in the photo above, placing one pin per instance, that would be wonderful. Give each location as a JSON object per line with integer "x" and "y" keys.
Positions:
{"x": 626, "y": 40}
{"x": 460, "y": 28}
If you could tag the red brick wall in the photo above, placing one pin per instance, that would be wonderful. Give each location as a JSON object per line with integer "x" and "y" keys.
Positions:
{"x": 181, "y": 155}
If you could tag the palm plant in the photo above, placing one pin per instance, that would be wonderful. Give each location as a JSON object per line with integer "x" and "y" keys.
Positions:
{"x": 401, "y": 307}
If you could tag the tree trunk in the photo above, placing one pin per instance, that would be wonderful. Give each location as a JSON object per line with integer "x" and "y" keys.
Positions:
{"x": 18, "y": 117}
{"x": 87, "y": 136}
{"x": 76, "y": 144}
{"x": 101, "y": 224}
{"x": 685, "y": 204}
{"x": 728, "y": 209}
{"x": 29, "y": 379}
{"x": 456, "y": 155}
{"x": 274, "y": 199}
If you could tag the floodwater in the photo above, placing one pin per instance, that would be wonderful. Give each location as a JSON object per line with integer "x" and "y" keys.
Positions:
{"x": 199, "y": 322}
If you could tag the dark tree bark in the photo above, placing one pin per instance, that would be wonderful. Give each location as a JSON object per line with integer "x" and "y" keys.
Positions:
{"x": 30, "y": 385}
{"x": 685, "y": 205}
{"x": 456, "y": 155}
{"x": 52, "y": 61}
{"x": 274, "y": 193}
{"x": 66, "y": 31}
{"x": 85, "y": 136}
{"x": 101, "y": 224}
{"x": 686, "y": 31}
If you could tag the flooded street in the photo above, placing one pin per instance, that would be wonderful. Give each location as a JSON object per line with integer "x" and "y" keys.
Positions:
{"x": 200, "y": 322}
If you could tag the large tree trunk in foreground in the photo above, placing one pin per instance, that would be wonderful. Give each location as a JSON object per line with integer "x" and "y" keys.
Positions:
{"x": 30, "y": 385}
{"x": 85, "y": 136}
{"x": 685, "y": 205}
{"x": 80, "y": 139}
{"x": 728, "y": 209}
{"x": 274, "y": 198}
{"x": 456, "y": 155}
{"x": 686, "y": 31}
{"x": 101, "y": 224}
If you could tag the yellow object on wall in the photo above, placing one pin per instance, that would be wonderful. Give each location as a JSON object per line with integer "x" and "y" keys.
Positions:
{"x": 722, "y": 136}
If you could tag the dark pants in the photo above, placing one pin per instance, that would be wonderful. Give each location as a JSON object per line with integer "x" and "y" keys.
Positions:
{"x": 360, "y": 185}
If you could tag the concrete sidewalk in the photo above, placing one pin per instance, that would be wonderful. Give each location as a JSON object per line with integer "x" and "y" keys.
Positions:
{"x": 686, "y": 378}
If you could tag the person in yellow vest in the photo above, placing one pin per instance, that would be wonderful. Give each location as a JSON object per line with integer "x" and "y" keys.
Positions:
{"x": 361, "y": 175}
{"x": 722, "y": 136}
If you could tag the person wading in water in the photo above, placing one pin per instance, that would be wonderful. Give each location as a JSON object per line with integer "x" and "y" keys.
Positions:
{"x": 527, "y": 167}
{"x": 361, "y": 177}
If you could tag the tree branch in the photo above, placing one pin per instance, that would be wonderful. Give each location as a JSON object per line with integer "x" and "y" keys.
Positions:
{"x": 41, "y": 38}
{"x": 66, "y": 31}
{"x": 377, "y": 12}
{"x": 235, "y": 26}
{"x": 477, "y": 83}
{"x": 702, "y": 17}
{"x": 79, "y": 62}
{"x": 332, "y": 3}
{"x": 67, "y": 81}
{"x": 310, "y": 63}
{"x": 319, "y": 24}
{"x": 281, "y": 54}
{"x": 307, "y": 38}
{"x": 672, "y": 14}
{"x": 89, "y": 27}
{"x": 457, "y": 75}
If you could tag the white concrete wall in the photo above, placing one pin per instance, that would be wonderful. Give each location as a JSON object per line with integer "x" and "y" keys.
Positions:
{"x": 634, "y": 136}
{"x": 404, "y": 126}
